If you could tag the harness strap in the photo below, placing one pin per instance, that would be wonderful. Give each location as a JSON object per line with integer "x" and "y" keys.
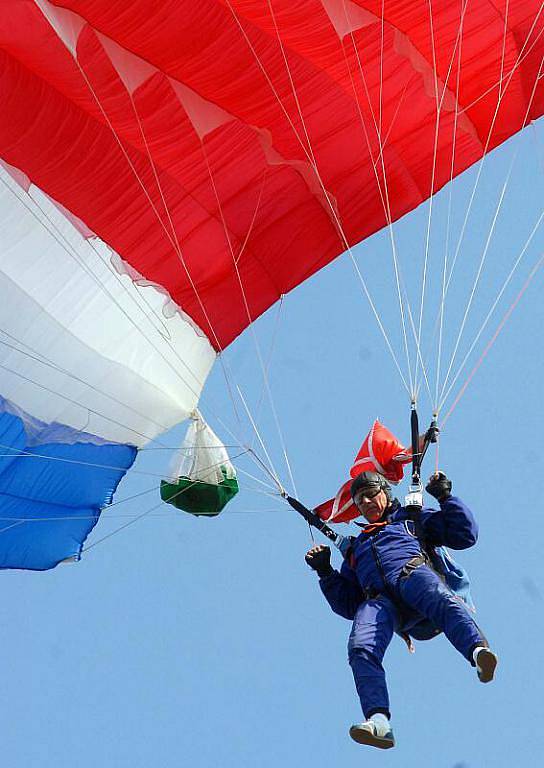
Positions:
{"x": 412, "y": 564}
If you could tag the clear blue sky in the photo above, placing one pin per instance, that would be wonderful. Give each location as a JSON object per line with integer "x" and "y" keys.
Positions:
{"x": 195, "y": 642}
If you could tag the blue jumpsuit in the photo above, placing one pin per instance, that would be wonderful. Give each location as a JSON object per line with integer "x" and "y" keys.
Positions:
{"x": 386, "y": 562}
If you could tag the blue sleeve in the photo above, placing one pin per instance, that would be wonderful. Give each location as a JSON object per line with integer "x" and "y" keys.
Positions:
{"x": 452, "y": 526}
{"x": 342, "y": 591}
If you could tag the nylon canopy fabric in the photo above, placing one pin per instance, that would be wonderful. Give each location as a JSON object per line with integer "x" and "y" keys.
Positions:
{"x": 226, "y": 145}
{"x": 92, "y": 368}
{"x": 54, "y": 483}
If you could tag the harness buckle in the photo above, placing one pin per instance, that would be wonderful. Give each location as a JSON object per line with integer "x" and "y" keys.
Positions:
{"x": 414, "y": 497}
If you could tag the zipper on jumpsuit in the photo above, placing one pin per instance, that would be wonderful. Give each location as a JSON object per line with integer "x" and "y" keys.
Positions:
{"x": 389, "y": 592}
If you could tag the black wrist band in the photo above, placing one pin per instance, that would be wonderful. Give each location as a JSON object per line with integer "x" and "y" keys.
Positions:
{"x": 324, "y": 572}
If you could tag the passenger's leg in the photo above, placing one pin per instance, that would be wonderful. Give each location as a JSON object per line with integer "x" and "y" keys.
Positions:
{"x": 424, "y": 591}
{"x": 372, "y": 631}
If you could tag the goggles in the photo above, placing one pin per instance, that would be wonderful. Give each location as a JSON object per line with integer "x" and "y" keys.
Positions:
{"x": 367, "y": 492}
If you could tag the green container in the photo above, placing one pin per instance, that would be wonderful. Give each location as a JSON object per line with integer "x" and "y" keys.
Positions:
{"x": 199, "y": 498}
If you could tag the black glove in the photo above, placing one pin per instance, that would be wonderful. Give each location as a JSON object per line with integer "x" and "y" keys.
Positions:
{"x": 319, "y": 558}
{"x": 439, "y": 486}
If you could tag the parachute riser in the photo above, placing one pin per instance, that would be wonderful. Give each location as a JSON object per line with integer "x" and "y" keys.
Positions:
{"x": 414, "y": 498}
{"x": 340, "y": 542}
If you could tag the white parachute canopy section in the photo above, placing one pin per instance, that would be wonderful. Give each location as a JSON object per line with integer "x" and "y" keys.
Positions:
{"x": 82, "y": 344}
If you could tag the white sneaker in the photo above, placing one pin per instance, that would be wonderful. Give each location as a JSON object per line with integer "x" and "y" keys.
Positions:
{"x": 485, "y": 661}
{"x": 373, "y": 734}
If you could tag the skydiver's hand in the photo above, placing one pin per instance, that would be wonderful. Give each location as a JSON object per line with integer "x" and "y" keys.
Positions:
{"x": 439, "y": 486}
{"x": 319, "y": 558}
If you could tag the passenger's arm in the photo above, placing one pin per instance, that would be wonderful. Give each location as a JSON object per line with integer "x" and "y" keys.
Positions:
{"x": 341, "y": 590}
{"x": 453, "y": 525}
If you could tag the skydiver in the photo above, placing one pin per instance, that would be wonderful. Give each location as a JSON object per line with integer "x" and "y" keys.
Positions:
{"x": 386, "y": 584}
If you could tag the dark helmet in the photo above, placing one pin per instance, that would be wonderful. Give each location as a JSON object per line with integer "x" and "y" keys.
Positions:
{"x": 372, "y": 482}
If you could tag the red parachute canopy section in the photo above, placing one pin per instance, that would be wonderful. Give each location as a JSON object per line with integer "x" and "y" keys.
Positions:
{"x": 228, "y": 149}
{"x": 380, "y": 452}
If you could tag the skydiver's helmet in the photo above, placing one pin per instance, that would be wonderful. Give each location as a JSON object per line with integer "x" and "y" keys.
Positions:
{"x": 371, "y": 482}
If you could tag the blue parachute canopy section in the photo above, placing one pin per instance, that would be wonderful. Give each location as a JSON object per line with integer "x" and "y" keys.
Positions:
{"x": 54, "y": 482}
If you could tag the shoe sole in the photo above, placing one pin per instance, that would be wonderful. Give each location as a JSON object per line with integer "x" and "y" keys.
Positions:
{"x": 366, "y": 737}
{"x": 487, "y": 663}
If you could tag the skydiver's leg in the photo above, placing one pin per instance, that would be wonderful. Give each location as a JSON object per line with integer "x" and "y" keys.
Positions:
{"x": 372, "y": 630}
{"x": 424, "y": 591}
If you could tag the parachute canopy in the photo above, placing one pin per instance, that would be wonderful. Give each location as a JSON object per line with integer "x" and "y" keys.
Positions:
{"x": 228, "y": 150}
{"x": 224, "y": 150}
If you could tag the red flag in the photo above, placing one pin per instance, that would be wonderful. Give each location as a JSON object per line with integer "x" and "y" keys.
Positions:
{"x": 380, "y": 452}
{"x": 341, "y": 509}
